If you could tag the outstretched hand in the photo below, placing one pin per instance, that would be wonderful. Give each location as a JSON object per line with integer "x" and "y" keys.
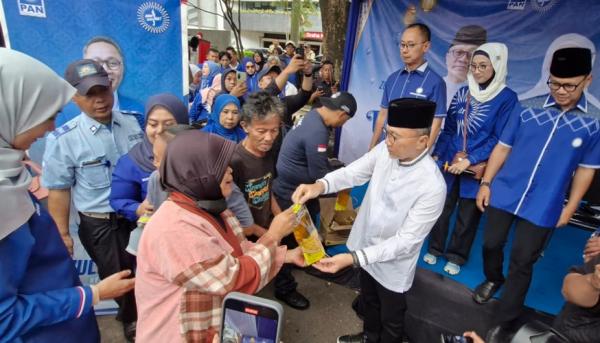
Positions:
{"x": 334, "y": 264}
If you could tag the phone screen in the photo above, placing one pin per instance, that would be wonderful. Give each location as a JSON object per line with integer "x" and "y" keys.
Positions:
{"x": 241, "y": 77}
{"x": 248, "y": 323}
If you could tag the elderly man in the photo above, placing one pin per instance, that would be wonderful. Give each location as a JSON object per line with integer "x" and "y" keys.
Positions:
{"x": 458, "y": 57}
{"x": 78, "y": 164}
{"x": 405, "y": 197}
{"x": 549, "y": 142}
{"x": 415, "y": 80}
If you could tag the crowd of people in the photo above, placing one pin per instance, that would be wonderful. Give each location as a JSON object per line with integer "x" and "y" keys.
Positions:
{"x": 197, "y": 203}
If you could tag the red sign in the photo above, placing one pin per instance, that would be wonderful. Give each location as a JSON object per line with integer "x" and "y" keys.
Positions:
{"x": 313, "y": 35}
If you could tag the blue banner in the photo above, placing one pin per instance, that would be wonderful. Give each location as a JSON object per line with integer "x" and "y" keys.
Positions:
{"x": 147, "y": 35}
{"x": 532, "y": 30}
{"x": 138, "y": 42}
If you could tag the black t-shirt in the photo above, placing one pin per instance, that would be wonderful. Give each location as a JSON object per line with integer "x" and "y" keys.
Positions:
{"x": 580, "y": 324}
{"x": 254, "y": 176}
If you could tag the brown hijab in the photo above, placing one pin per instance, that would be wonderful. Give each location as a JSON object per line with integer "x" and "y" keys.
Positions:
{"x": 194, "y": 164}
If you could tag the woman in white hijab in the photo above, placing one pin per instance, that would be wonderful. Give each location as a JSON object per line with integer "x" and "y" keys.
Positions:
{"x": 475, "y": 120}
{"x": 41, "y": 298}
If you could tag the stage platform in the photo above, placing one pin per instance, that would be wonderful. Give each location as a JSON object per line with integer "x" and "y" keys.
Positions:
{"x": 439, "y": 302}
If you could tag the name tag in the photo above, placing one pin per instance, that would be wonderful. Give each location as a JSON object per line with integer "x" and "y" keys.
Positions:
{"x": 92, "y": 163}
{"x": 136, "y": 137}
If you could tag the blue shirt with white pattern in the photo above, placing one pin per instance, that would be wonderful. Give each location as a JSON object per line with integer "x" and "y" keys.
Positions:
{"x": 548, "y": 145}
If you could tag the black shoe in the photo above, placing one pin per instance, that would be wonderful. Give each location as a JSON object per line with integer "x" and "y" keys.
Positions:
{"x": 294, "y": 299}
{"x": 500, "y": 334}
{"x": 357, "y": 338}
{"x": 129, "y": 331}
{"x": 485, "y": 291}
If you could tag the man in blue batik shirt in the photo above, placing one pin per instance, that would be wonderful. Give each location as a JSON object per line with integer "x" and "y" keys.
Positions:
{"x": 78, "y": 164}
{"x": 549, "y": 142}
{"x": 415, "y": 80}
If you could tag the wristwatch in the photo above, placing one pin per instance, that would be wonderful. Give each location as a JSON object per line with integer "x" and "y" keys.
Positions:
{"x": 484, "y": 183}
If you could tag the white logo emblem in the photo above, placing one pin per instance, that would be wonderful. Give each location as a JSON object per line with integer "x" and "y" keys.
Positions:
{"x": 32, "y": 8}
{"x": 516, "y": 5}
{"x": 153, "y": 17}
{"x": 543, "y": 5}
{"x": 577, "y": 142}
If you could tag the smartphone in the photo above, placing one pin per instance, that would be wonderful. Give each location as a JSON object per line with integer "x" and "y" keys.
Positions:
{"x": 241, "y": 77}
{"x": 320, "y": 88}
{"x": 250, "y": 319}
{"x": 300, "y": 51}
{"x": 445, "y": 338}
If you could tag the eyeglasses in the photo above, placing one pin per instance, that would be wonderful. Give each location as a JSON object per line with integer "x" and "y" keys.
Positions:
{"x": 250, "y": 66}
{"x": 457, "y": 53}
{"x": 111, "y": 63}
{"x": 569, "y": 87}
{"x": 410, "y": 46}
{"x": 393, "y": 138}
{"x": 481, "y": 67}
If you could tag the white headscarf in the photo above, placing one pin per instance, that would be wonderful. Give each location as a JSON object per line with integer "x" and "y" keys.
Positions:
{"x": 30, "y": 93}
{"x": 498, "y": 55}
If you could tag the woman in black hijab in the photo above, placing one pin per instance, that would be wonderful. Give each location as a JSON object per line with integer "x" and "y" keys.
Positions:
{"x": 193, "y": 251}
{"x": 130, "y": 176}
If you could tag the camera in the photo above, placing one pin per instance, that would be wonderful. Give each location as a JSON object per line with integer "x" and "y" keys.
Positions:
{"x": 300, "y": 52}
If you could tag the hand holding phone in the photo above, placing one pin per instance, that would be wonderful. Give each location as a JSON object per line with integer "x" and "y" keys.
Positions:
{"x": 247, "y": 318}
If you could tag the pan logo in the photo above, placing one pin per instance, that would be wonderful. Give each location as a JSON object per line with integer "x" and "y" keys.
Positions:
{"x": 543, "y": 5}
{"x": 516, "y": 5}
{"x": 32, "y": 8}
{"x": 153, "y": 17}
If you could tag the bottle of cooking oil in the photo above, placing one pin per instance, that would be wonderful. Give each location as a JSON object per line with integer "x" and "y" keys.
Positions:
{"x": 342, "y": 200}
{"x": 307, "y": 236}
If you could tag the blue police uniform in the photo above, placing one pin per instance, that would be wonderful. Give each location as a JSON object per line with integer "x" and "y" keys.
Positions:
{"x": 41, "y": 298}
{"x": 547, "y": 146}
{"x": 80, "y": 156}
{"x": 129, "y": 187}
{"x": 421, "y": 83}
{"x": 485, "y": 124}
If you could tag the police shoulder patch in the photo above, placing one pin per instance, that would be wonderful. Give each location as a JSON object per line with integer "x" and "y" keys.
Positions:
{"x": 59, "y": 131}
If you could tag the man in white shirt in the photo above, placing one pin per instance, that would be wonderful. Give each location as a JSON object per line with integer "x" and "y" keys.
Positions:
{"x": 405, "y": 197}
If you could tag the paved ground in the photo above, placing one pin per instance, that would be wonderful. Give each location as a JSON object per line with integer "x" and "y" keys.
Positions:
{"x": 329, "y": 316}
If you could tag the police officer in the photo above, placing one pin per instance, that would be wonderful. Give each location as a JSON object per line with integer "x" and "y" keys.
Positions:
{"x": 78, "y": 164}
{"x": 415, "y": 80}
{"x": 548, "y": 142}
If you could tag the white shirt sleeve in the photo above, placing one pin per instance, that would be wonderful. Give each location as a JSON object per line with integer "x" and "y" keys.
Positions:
{"x": 419, "y": 221}
{"x": 355, "y": 174}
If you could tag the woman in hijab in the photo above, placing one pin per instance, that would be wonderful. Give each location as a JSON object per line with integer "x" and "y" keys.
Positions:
{"x": 41, "y": 297}
{"x": 210, "y": 69}
{"x": 251, "y": 69}
{"x": 225, "y": 118}
{"x": 193, "y": 252}
{"x": 475, "y": 119}
{"x": 230, "y": 85}
{"x": 130, "y": 176}
{"x": 259, "y": 60}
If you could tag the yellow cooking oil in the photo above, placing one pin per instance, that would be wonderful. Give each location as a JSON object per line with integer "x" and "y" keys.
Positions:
{"x": 307, "y": 236}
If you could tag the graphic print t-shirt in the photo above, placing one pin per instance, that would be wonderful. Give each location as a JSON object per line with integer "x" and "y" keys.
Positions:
{"x": 254, "y": 176}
